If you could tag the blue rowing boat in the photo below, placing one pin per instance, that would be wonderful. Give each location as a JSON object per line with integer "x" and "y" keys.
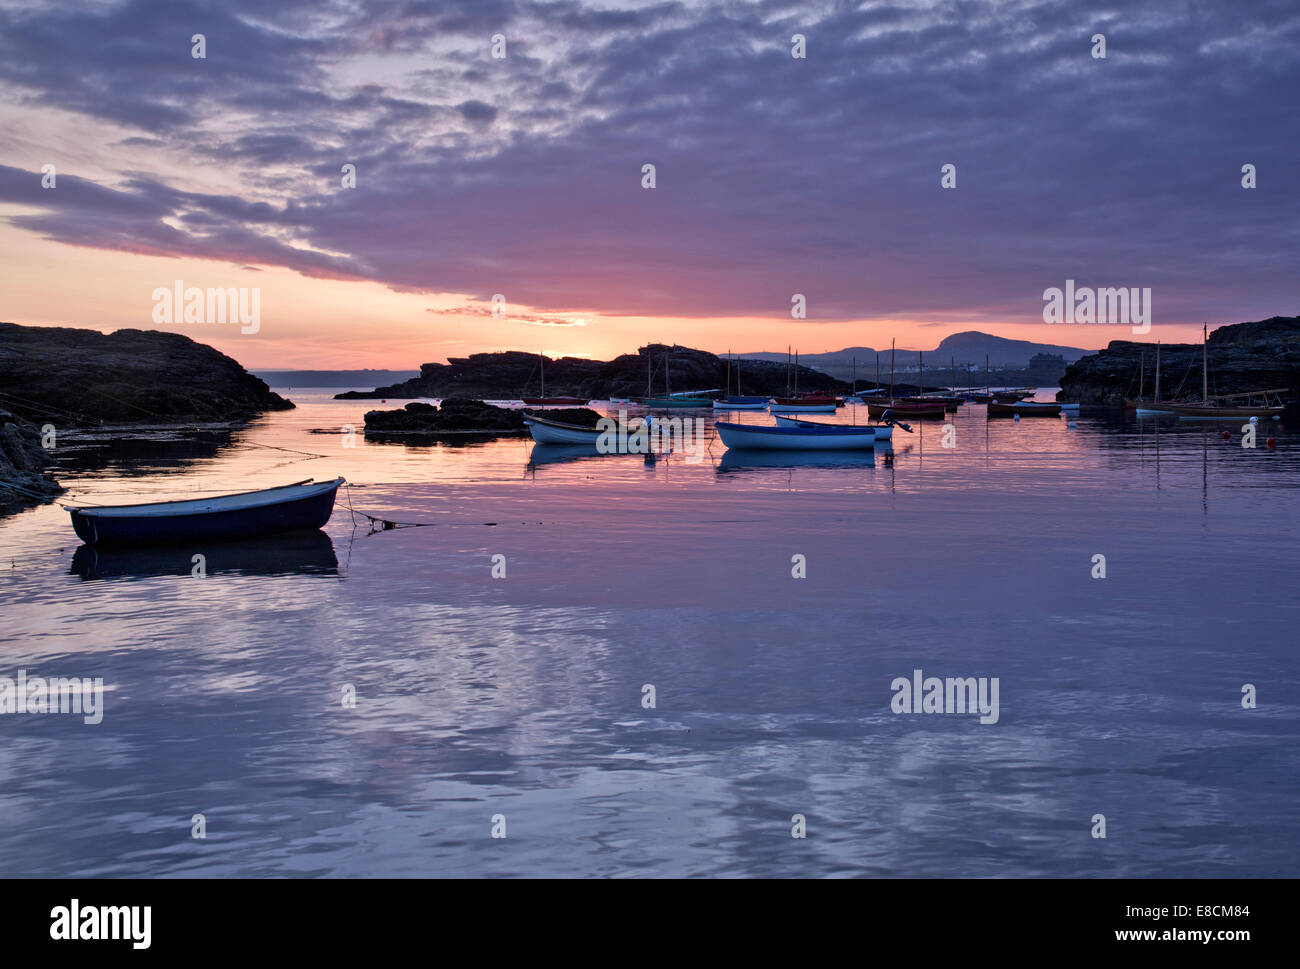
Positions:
{"x": 302, "y": 506}
{"x": 823, "y": 437}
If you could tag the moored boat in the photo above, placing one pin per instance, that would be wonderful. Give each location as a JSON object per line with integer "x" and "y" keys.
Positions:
{"x": 741, "y": 403}
{"x": 547, "y": 431}
{"x": 1259, "y": 403}
{"x": 676, "y": 400}
{"x": 877, "y": 408}
{"x": 555, "y": 401}
{"x": 1024, "y": 408}
{"x": 1251, "y": 403}
{"x": 738, "y": 401}
{"x": 884, "y": 432}
{"x": 778, "y": 408}
{"x": 826, "y": 437}
{"x": 808, "y": 400}
{"x": 301, "y": 506}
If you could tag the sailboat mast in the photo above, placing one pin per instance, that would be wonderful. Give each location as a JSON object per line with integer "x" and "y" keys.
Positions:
{"x": 796, "y": 373}
{"x": 1205, "y": 362}
{"x": 920, "y": 357}
{"x": 787, "y": 370}
{"x": 668, "y": 390}
{"x": 855, "y": 375}
{"x": 891, "y": 369}
{"x": 1157, "y": 397}
{"x": 986, "y": 375}
{"x": 541, "y": 363}
{"x": 728, "y": 373}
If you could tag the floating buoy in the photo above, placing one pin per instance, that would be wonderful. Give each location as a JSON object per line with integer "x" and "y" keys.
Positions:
{"x": 1227, "y": 435}
{"x": 1254, "y": 420}
{"x": 1271, "y": 443}
{"x": 1072, "y": 424}
{"x": 1016, "y": 416}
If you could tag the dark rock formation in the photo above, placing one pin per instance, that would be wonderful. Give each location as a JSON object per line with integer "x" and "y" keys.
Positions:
{"x": 512, "y": 375}
{"x": 23, "y": 480}
{"x": 77, "y": 378}
{"x": 460, "y": 416}
{"x": 1263, "y": 355}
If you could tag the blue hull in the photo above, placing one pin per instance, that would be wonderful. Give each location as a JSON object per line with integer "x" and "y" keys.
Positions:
{"x": 299, "y": 514}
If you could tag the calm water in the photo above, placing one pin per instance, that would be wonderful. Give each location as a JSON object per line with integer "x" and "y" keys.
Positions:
{"x": 522, "y": 696}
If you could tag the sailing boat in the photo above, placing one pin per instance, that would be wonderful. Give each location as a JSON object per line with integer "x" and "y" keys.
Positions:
{"x": 735, "y": 401}
{"x": 809, "y": 403}
{"x": 690, "y": 398}
{"x": 896, "y": 407}
{"x": 1153, "y": 407}
{"x": 1252, "y": 403}
{"x": 544, "y": 401}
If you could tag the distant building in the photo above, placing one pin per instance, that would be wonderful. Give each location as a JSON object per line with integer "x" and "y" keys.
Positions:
{"x": 1046, "y": 368}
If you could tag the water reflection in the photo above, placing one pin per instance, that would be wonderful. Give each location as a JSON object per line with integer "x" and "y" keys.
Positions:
{"x": 732, "y": 461}
{"x": 303, "y": 553}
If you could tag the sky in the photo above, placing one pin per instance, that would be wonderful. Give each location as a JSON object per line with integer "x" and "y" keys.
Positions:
{"x": 522, "y": 175}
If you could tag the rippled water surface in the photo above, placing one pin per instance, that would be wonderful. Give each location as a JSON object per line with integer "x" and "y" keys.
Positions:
{"x": 522, "y": 696}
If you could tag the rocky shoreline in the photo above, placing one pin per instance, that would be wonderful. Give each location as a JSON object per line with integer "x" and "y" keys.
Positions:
{"x": 84, "y": 378}
{"x": 23, "y": 478}
{"x": 513, "y": 374}
{"x": 83, "y": 385}
{"x": 1261, "y": 355}
{"x": 461, "y": 417}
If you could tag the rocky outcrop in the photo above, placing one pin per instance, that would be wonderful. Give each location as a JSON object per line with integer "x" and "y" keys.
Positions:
{"x": 512, "y": 375}
{"x": 1263, "y": 355}
{"x": 460, "y": 417}
{"x": 78, "y": 378}
{"x": 23, "y": 480}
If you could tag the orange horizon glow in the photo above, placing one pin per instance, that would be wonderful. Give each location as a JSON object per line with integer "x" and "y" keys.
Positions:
{"x": 326, "y": 324}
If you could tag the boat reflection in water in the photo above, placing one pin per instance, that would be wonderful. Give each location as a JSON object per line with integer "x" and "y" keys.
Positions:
{"x": 745, "y": 460}
{"x": 298, "y": 553}
{"x": 543, "y": 454}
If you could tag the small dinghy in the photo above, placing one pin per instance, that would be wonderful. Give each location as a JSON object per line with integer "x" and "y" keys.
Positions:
{"x": 301, "y": 506}
{"x": 825, "y": 437}
{"x": 883, "y": 432}
{"x": 1023, "y": 409}
{"x": 741, "y": 403}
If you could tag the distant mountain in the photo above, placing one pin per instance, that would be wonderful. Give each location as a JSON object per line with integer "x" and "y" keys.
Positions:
{"x": 333, "y": 378}
{"x": 968, "y": 347}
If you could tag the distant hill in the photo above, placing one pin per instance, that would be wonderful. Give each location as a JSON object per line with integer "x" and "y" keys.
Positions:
{"x": 968, "y": 347}
{"x": 334, "y": 378}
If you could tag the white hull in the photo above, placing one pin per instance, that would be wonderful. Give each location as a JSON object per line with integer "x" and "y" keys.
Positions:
{"x": 802, "y": 408}
{"x": 551, "y": 433}
{"x": 719, "y": 405}
{"x": 883, "y": 432}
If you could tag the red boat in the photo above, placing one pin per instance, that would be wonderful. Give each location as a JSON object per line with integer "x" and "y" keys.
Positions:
{"x": 902, "y": 408}
{"x": 554, "y": 401}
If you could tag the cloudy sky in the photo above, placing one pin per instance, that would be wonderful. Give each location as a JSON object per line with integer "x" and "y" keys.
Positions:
{"x": 522, "y": 175}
